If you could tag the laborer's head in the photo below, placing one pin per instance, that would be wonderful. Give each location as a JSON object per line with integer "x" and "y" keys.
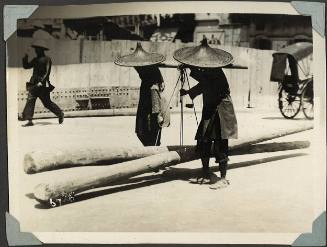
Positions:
{"x": 144, "y": 69}
{"x": 39, "y": 51}
{"x": 40, "y": 47}
{"x": 146, "y": 72}
{"x": 48, "y": 28}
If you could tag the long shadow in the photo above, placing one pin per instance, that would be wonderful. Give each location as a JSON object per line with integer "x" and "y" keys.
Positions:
{"x": 186, "y": 173}
{"x": 282, "y": 118}
{"x": 270, "y": 147}
{"x": 43, "y": 123}
{"x": 166, "y": 176}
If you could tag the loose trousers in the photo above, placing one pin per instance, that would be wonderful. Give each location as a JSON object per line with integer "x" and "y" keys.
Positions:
{"x": 43, "y": 94}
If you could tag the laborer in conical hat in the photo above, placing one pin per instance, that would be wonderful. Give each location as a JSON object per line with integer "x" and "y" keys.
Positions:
{"x": 218, "y": 122}
{"x": 139, "y": 57}
{"x": 203, "y": 56}
{"x": 150, "y": 116}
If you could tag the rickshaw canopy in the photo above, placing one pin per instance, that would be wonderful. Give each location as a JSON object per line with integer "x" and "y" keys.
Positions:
{"x": 293, "y": 53}
{"x": 298, "y": 50}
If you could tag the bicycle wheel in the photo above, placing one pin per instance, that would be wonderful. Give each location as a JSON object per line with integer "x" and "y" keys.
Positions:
{"x": 307, "y": 100}
{"x": 289, "y": 103}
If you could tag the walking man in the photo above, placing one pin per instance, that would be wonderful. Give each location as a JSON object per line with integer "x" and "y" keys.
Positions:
{"x": 39, "y": 85}
{"x": 218, "y": 122}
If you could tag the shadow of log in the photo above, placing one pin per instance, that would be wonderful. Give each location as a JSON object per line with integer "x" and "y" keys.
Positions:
{"x": 270, "y": 147}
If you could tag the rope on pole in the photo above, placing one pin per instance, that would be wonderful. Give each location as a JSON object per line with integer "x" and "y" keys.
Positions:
{"x": 182, "y": 79}
{"x": 189, "y": 86}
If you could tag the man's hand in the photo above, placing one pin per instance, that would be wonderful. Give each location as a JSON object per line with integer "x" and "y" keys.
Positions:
{"x": 160, "y": 120}
{"x": 39, "y": 84}
{"x": 162, "y": 86}
{"x": 183, "y": 92}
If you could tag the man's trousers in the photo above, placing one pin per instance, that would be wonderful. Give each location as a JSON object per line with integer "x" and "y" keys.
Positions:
{"x": 44, "y": 95}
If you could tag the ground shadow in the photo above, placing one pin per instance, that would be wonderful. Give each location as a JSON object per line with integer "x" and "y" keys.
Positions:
{"x": 44, "y": 123}
{"x": 282, "y": 118}
{"x": 40, "y": 124}
{"x": 270, "y": 147}
{"x": 170, "y": 174}
{"x": 30, "y": 195}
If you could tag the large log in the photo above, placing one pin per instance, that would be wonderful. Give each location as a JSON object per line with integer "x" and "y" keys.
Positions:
{"x": 40, "y": 161}
{"x": 46, "y": 160}
{"x": 110, "y": 174}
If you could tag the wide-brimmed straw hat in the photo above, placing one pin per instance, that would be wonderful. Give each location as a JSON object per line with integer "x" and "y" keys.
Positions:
{"x": 203, "y": 56}
{"x": 40, "y": 43}
{"x": 139, "y": 57}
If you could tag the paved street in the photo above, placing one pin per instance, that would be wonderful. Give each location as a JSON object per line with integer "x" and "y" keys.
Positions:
{"x": 269, "y": 192}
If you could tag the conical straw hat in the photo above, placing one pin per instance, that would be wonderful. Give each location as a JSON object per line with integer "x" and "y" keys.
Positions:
{"x": 203, "y": 56}
{"x": 140, "y": 58}
{"x": 40, "y": 43}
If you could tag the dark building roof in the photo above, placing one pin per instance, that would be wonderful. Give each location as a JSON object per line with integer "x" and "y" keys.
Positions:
{"x": 93, "y": 25}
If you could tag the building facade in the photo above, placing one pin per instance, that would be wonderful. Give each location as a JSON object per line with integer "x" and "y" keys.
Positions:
{"x": 260, "y": 31}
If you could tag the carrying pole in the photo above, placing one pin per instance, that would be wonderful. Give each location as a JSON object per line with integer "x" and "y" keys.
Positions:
{"x": 182, "y": 110}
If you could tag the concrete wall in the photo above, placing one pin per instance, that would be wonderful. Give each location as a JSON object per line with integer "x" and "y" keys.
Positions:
{"x": 89, "y": 64}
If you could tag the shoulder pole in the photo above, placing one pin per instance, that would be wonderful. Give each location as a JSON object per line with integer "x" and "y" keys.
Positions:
{"x": 182, "y": 78}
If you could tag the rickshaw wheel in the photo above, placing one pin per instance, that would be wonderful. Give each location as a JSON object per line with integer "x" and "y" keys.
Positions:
{"x": 289, "y": 103}
{"x": 307, "y": 100}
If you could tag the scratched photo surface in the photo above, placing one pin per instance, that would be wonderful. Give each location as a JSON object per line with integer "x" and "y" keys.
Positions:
{"x": 109, "y": 145}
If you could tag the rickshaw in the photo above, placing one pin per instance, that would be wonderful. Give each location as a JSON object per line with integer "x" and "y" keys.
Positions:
{"x": 291, "y": 68}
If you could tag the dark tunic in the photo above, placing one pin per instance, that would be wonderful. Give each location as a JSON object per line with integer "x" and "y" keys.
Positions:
{"x": 147, "y": 127}
{"x": 41, "y": 69}
{"x": 218, "y": 116}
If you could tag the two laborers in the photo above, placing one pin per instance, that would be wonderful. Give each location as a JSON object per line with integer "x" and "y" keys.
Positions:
{"x": 218, "y": 122}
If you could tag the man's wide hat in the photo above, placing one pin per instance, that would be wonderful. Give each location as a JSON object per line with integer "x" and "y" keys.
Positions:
{"x": 40, "y": 43}
{"x": 139, "y": 57}
{"x": 203, "y": 56}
